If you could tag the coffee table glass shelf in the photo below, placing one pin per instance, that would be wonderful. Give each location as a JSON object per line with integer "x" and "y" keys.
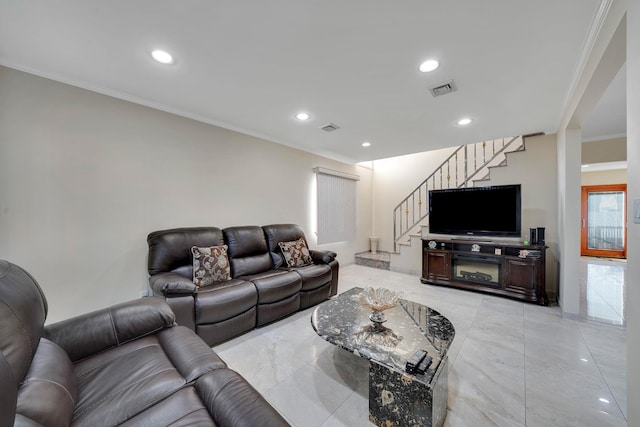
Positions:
{"x": 395, "y": 396}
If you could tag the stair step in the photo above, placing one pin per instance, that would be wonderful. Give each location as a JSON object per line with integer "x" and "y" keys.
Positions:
{"x": 380, "y": 260}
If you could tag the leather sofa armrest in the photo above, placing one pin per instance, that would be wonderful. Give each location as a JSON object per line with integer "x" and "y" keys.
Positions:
{"x": 167, "y": 284}
{"x": 322, "y": 256}
{"x": 232, "y": 401}
{"x": 101, "y": 330}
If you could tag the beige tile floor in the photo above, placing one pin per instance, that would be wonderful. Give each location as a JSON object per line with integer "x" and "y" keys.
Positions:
{"x": 511, "y": 364}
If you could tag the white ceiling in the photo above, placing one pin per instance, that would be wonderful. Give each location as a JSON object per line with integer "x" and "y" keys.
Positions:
{"x": 251, "y": 65}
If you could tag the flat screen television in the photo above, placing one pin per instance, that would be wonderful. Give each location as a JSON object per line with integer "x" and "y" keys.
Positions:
{"x": 476, "y": 211}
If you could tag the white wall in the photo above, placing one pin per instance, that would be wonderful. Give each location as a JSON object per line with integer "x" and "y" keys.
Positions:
{"x": 604, "y": 56}
{"x": 396, "y": 177}
{"x": 622, "y": 22}
{"x": 615, "y": 176}
{"x": 606, "y": 150}
{"x": 85, "y": 177}
{"x": 633, "y": 231}
{"x": 535, "y": 169}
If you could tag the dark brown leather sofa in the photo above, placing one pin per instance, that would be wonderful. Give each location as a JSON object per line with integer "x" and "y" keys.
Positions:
{"x": 125, "y": 365}
{"x": 262, "y": 288}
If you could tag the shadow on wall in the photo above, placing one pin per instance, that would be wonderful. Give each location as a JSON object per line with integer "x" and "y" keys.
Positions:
{"x": 552, "y": 272}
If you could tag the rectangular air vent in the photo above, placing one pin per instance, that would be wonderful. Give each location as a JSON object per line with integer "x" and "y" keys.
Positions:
{"x": 330, "y": 127}
{"x": 443, "y": 89}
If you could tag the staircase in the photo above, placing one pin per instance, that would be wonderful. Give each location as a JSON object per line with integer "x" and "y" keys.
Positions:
{"x": 467, "y": 165}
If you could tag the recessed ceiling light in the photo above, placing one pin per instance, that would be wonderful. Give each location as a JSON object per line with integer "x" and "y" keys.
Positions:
{"x": 162, "y": 57}
{"x": 302, "y": 116}
{"x": 464, "y": 122}
{"x": 428, "y": 66}
{"x": 366, "y": 144}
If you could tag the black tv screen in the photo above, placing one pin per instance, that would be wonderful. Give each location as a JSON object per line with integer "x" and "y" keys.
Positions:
{"x": 476, "y": 211}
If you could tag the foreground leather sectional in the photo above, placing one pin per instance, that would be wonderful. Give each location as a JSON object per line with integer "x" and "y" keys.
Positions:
{"x": 261, "y": 287}
{"x": 129, "y": 364}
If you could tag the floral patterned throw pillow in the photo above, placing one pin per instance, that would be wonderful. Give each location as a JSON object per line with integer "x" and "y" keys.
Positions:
{"x": 296, "y": 253}
{"x": 210, "y": 265}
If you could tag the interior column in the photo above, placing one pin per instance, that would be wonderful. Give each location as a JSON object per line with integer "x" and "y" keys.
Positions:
{"x": 569, "y": 159}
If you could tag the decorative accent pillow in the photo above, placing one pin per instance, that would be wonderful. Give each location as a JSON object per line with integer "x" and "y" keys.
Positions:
{"x": 210, "y": 265}
{"x": 296, "y": 253}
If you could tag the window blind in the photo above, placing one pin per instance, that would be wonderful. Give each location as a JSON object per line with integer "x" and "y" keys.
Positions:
{"x": 336, "y": 206}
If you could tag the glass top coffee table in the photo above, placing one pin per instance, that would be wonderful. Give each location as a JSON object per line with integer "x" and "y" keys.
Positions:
{"x": 395, "y": 396}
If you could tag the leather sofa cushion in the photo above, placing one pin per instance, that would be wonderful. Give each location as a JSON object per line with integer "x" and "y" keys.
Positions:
{"x": 276, "y": 233}
{"x": 250, "y": 265}
{"x": 221, "y": 398}
{"x": 49, "y": 391}
{"x": 215, "y": 333}
{"x": 243, "y": 241}
{"x": 181, "y": 409}
{"x": 314, "y": 275}
{"x": 314, "y": 296}
{"x": 224, "y": 301}
{"x": 270, "y": 312}
{"x": 248, "y": 252}
{"x": 124, "y": 381}
{"x": 170, "y": 250}
{"x": 275, "y": 285}
{"x": 119, "y": 383}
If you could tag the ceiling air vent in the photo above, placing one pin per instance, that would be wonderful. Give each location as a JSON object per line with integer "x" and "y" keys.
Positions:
{"x": 330, "y": 127}
{"x": 444, "y": 88}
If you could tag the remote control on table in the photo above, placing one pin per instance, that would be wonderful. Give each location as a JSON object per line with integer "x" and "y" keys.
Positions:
{"x": 414, "y": 361}
{"x": 424, "y": 365}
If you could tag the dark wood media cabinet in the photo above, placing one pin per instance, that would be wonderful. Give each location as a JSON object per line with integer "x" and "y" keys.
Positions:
{"x": 507, "y": 269}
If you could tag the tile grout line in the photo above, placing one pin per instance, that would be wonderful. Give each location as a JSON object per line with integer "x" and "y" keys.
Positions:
{"x": 524, "y": 361}
{"x": 528, "y": 312}
{"x": 613, "y": 396}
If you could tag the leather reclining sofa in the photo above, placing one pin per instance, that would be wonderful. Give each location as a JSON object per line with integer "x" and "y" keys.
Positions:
{"x": 124, "y": 365}
{"x": 261, "y": 289}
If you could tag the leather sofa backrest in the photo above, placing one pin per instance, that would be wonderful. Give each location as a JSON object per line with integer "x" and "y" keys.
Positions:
{"x": 23, "y": 311}
{"x": 276, "y": 233}
{"x": 170, "y": 250}
{"x": 248, "y": 252}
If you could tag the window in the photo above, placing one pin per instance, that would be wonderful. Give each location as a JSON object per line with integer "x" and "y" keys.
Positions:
{"x": 336, "y": 205}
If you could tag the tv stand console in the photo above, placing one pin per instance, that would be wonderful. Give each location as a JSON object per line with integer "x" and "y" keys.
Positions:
{"x": 507, "y": 269}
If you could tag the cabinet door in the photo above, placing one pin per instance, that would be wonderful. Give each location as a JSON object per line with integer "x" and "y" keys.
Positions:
{"x": 521, "y": 275}
{"x": 437, "y": 265}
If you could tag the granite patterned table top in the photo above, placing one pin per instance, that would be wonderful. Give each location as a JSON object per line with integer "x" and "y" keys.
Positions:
{"x": 410, "y": 326}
